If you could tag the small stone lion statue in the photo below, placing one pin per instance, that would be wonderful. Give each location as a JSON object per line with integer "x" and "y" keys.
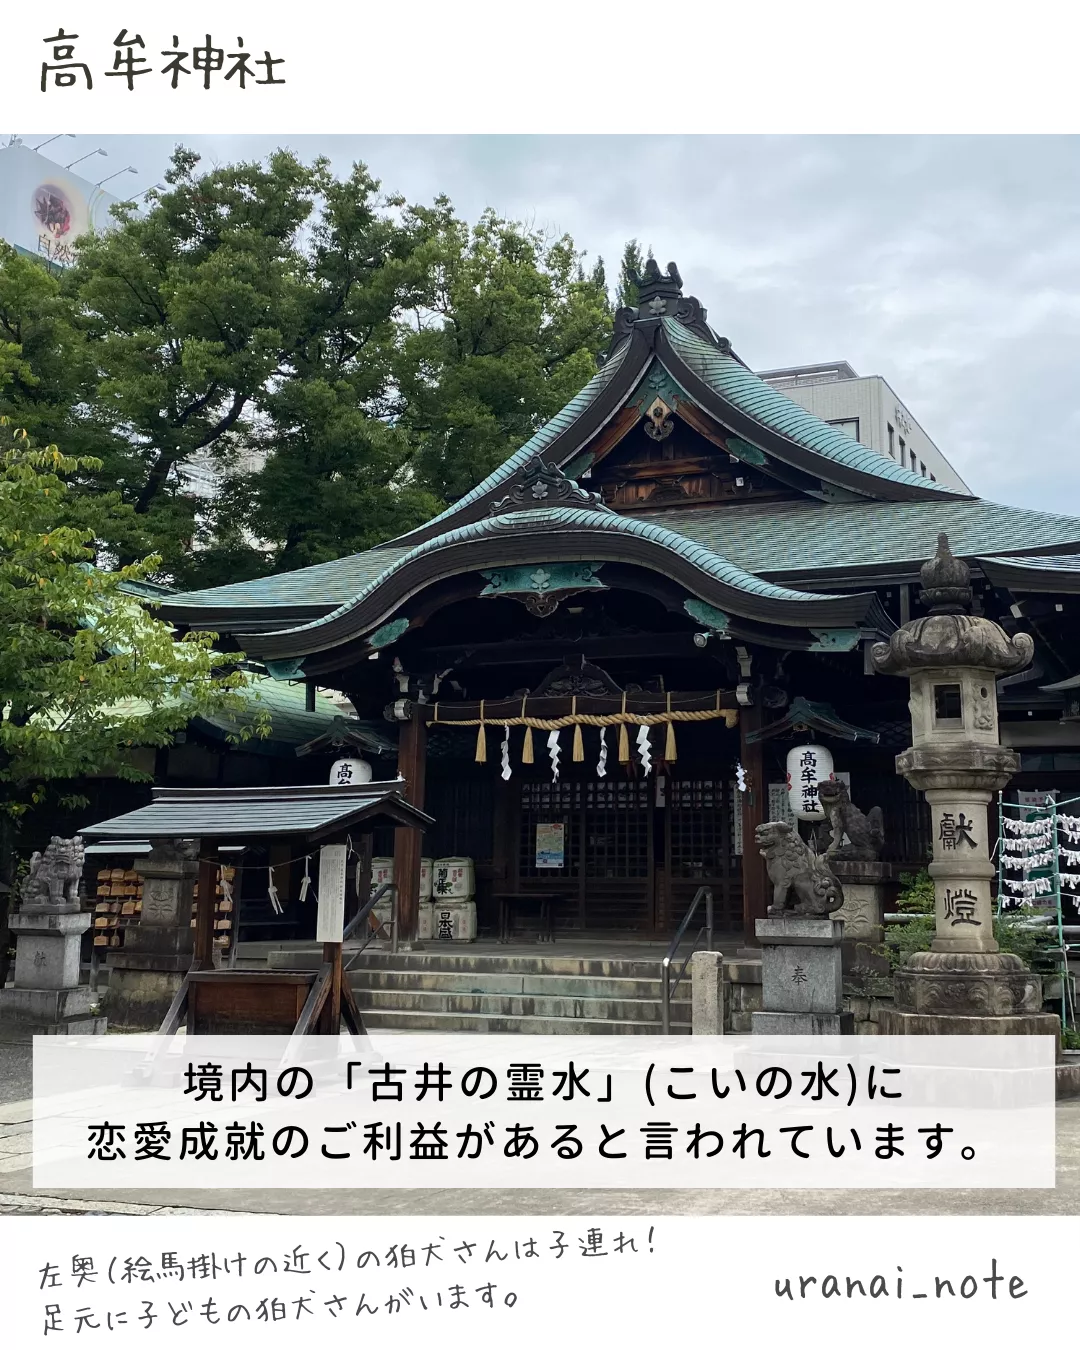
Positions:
{"x": 53, "y": 878}
{"x": 866, "y": 833}
{"x": 802, "y": 882}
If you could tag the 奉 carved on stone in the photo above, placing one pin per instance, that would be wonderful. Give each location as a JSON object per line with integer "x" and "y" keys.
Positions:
{"x": 866, "y": 833}
{"x": 54, "y": 875}
{"x": 802, "y": 882}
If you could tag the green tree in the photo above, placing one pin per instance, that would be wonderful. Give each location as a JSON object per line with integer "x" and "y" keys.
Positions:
{"x": 512, "y": 331}
{"x": 48, "y": 377}
{"x": 630, "y": 269}
{"x": 206, "y": 312}
{"x": 86, "y": 672}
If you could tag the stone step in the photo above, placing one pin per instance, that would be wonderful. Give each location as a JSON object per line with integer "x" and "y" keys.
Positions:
{"x": 481, "y": 982}
{"x": 301, "y": 958}
{"x": 507, "y": 1005}
{"x": 399, "y": 1019}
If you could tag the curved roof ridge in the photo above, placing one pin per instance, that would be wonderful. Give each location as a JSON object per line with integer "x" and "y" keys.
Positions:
{"x": 699, "y": 555}
{"x": 773, "y": 409}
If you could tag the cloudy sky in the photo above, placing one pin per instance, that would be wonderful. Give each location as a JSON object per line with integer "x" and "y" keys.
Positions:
{"x": 948, "y": 265}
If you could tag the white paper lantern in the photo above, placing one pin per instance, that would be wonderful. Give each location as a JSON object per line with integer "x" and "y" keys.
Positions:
{"x": 807, "y": 766}
{"x": 349, "y": 772}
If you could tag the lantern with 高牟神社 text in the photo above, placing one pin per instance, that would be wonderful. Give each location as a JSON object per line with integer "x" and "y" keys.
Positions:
{"x": 807, "y": 766}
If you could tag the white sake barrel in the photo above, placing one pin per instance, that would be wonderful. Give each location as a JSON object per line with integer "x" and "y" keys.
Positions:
{"x": 453, "y": 879}
{"x": 426, "y": 869}
{"x": 382, "y": 871}
{"x": 453, "y": 921}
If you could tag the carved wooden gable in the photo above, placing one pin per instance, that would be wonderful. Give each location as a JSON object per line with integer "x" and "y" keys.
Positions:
{"x": 663, "y": 461}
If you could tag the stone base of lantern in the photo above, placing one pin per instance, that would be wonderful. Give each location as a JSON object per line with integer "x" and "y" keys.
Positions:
{"x": 967, "y": 994}
{"x": 47, "y": 998}
{"x": 862, "y": 914}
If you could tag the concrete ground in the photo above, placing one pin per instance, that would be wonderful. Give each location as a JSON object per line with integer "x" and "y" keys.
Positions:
{"x": 17, "y": 1195}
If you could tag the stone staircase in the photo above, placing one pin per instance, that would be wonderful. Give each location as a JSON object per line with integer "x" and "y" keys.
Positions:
{"x": 538, "y": 995}
{"x": 498, "y": 994}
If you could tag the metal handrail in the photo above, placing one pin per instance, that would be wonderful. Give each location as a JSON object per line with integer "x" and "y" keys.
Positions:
{"x": 361, "y": 917}
{"x": 667, "y": 986}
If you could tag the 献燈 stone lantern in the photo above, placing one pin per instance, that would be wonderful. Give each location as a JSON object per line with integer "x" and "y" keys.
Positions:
{"x": 953, "y": 660}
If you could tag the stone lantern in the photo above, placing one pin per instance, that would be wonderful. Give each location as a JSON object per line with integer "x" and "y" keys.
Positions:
{"x": 953, "y": 659}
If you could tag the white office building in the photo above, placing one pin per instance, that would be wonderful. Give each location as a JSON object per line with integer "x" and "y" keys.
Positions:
{"x": 869, "y": 411}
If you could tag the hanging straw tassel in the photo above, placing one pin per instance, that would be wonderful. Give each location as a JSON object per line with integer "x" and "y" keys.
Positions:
{"x": 527, "y": 748}
{"x": 579, "y": 747}
{"x": 669, "y": 738}
{"x": 624, "y": 738}
{"x": 481, "y": 738}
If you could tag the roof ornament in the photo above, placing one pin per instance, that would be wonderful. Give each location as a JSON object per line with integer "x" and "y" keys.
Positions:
{"x": 659, "y": 297}
{"x": 946, "y": 581}
{"x": 949, "y": 635}
{"x": 539, "y": 484}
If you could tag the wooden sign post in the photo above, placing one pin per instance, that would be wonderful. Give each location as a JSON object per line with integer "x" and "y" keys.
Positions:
{"x": 330, "y": 928}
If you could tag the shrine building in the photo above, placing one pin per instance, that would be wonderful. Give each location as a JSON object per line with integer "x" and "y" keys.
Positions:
{"x": 594, "y": 665}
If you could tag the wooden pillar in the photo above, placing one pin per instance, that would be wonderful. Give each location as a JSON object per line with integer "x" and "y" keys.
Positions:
{"x": 205, "y": 908}
{"x": 408, "y": 842}
{"x": 330, "y": 1016}
{"x": 755, "y": 808}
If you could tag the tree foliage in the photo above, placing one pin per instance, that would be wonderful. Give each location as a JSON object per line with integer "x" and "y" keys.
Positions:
{"x": 511, "y": 332}
{"x": 630, "y": 268}
{"x": 86, "y": 672}
{"x": 337, "y": 362}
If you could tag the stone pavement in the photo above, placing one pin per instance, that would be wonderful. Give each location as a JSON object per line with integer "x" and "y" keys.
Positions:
{"x": 17, "y": 1195}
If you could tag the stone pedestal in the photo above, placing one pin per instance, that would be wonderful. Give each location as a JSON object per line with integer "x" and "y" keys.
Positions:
{"x": 707, "y": 994}
{"x": 862, "y": 914}
{"x": 967, "y": 993}
{"x": 802, "y": 984}
{"x": 47, "y": 999}
{"x": 146, "y": 972}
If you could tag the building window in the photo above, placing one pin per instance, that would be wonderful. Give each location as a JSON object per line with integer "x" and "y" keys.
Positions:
{"x": 892, "y": 443}
{"x": 933, "y": 479}
{"x": 922, "y": 468}
{"x": 848, "y": 425}
{"x": 914, "y": 462}
{"x": 903, "y": 447}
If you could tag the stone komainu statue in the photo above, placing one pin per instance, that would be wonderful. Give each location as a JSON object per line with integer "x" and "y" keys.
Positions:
{"x": 866, "y": 833}
{"x": 802, "y": 882}
{"x": 54, "y": 875}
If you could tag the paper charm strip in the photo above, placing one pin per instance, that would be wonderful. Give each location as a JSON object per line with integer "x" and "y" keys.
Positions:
{"x": 271, "y": 891}
{"x": 601, "y": 763}
{"x": 506, "y": 755}
{"x": 305, "y": 884}
{"x": 644, "y": 748}
{"x": 554, "y": 752}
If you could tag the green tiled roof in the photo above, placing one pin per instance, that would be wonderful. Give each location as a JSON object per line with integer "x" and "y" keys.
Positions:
{"x": 1055, "y": 562}
{"x": 800, "y": 537}
{"x": 291, "y": 723}
{"x": 773, "y": 409}
{"x": 324, "y": 583}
